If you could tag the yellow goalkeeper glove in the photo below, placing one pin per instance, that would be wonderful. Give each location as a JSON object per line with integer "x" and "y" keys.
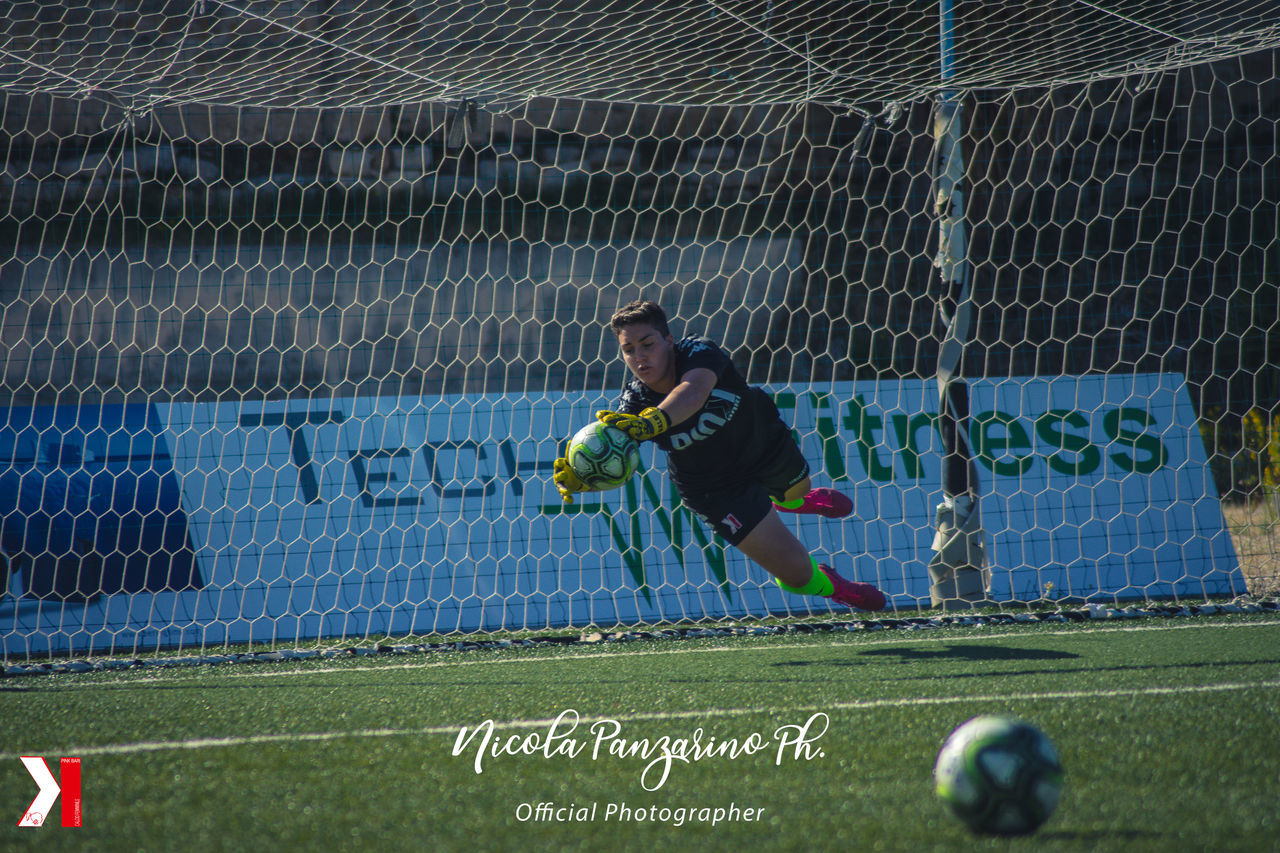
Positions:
{"x": 650, "y": 423}
{"x": 566, "y": 479}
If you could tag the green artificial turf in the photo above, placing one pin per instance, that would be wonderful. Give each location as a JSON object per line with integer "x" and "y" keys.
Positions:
{"x": 1167, "y": 730}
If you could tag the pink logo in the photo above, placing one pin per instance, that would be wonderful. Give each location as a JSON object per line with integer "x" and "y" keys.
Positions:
{"x": 50, "y": 789}
{"x": 732, "y": 521}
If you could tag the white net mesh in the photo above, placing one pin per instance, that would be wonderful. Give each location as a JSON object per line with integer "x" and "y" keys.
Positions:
{"x": 303, "y": 297}
{"x": 686, "y": 52}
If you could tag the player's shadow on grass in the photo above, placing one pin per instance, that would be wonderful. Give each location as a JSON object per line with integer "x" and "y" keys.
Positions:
{"x": 996, "y": 653}
{"x": 970, "y": 651}
{"x": 956, "y": 651}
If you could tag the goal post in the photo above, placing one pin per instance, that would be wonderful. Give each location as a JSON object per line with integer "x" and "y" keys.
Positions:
{"x": 299, "y": 305}
{"x": 958, "y": 571}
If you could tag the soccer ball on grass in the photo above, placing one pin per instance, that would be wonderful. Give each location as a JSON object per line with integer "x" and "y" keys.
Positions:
{"x": 999, "y": 775}
{"x": 603, "y": 457}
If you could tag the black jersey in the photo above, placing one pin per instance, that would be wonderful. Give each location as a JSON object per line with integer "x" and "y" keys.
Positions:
{"x": 730, "y": 438}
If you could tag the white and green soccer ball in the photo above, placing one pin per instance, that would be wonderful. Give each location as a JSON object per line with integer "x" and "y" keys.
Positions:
{"x": 603, "y": 457}
{"x": 999, "y": 775}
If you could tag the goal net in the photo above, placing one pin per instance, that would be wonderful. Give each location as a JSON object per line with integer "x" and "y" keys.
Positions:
{"x": 300, "y": 301}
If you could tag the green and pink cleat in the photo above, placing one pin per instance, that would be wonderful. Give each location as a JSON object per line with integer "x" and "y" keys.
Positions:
{"x": 863, "y": 596}
{"x": 827, "y": 503}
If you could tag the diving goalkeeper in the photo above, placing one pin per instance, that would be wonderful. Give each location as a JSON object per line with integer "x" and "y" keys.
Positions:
{"x": 730, "y": 456}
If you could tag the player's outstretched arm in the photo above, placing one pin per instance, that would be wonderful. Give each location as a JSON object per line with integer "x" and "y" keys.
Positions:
{"x": 682, "y": 403}
{"x": 650, "y": 423}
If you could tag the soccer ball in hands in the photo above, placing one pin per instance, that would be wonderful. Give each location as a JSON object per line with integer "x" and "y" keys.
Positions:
{"x": 999, "y": 775}
{"x": 603, "y": 457}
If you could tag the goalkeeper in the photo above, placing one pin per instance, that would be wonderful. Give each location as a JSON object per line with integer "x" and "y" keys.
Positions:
{"x": 731, "y": 458}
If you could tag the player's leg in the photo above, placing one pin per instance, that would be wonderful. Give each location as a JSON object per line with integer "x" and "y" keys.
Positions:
{"x": 772, "y": 545}
{"x": 775, "y": 548}
{"x": 787, "y": 480}
{"x": 744, "y": 516}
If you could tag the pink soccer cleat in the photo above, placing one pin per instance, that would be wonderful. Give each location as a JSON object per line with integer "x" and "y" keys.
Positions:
{"x": 825, "y": 502}
{"x": 863, "y": 596}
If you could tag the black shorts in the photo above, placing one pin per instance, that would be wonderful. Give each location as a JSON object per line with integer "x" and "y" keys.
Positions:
{"x": 735, "y": 508}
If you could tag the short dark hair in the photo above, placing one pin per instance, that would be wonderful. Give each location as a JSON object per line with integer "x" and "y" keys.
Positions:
{"x": 640, "y": 311}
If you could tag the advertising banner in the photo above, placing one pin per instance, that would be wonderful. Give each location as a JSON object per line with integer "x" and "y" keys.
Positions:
{"x": 286, "y": 520}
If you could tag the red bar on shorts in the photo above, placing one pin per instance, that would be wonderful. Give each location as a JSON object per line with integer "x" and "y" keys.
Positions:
{"x": 70, "y": 772}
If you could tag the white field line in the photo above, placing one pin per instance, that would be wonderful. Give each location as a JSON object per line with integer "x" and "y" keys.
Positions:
{"x": 610, "y": 650}
{"x": 453, "y": 730}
